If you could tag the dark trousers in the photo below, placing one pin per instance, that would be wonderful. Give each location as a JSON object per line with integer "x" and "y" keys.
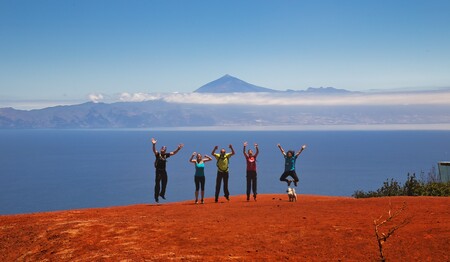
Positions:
{"x": 251, "y": 183}
{"x": 289, "y": 173}
{"x": 160, "y": 183}
{"x": 199, "y": 183}
{"x": 222, "y": 176}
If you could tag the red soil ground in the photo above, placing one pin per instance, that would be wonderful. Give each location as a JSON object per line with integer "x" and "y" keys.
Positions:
{"x": 313, "y": 229}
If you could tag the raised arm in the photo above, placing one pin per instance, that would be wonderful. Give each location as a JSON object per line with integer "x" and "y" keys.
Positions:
{"x": 180, "y": 146}
{"x": 257, "y": 150}
{"x": 207, "y": 158}
{"x": 154, "y": 146}
{"x": 300, "y": 151}
{"x": 244, "y": 151}
{"x": 232, "y": 149}
{"x": 214, "y": 150}
{"x": 281, "y": 149}
{"x": 192, "y": 158}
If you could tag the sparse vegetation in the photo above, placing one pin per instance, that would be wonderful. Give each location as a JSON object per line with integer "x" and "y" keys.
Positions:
{"x": 429, "y": 186}
{"x": 388, "y": 226}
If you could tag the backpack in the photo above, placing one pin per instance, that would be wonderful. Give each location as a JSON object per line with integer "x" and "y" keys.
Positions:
{"x": 217, "y": 163}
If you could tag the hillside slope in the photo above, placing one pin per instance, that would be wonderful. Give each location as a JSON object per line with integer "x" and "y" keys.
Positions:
{"x": 314, "y": 228}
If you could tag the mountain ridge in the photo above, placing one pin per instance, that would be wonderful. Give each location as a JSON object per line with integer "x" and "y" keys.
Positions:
{"x": 160, "y": 113}
{"x": 190, "y": 110}
{"x": 231, "y": 84}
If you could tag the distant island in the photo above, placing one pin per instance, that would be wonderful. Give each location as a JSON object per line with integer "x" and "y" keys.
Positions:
{"x": 221, "y": 103}
{"x": 231, "y": 84}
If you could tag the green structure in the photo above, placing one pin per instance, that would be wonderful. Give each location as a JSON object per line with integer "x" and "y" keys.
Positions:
{"x": 444, "y": 171}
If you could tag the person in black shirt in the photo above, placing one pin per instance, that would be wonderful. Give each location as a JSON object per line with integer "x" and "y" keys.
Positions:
{"x": 160, "y": 167}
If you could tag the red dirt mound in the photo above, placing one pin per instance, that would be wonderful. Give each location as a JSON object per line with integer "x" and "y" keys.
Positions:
{"x": 314, "y": 229}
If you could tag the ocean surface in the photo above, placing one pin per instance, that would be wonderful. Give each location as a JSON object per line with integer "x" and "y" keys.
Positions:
{"x": 47, "y": 170}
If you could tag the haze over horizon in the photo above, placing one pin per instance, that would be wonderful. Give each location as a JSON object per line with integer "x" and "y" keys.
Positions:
{"x": 234, "y": 91}
{"x": 75, "y": 51}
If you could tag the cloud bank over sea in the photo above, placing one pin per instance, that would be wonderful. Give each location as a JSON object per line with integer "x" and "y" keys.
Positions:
{"x": 245, "y": 109}
{"x": 421, "y": 97}
{"x": 287, "y": 98}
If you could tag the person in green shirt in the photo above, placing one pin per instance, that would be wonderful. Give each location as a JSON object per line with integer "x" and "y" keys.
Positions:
{"x": 222, "y": 171}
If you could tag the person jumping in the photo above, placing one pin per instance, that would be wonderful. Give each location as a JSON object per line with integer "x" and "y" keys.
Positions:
{"x": 289, "y": 165}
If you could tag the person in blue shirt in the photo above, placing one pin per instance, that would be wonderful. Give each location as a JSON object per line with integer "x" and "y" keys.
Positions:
{"x": 289, "y": 165}
{"x": 199, "y": 177}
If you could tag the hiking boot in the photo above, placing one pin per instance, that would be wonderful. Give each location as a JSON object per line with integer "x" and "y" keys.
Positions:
{"x": 289, "y": 182}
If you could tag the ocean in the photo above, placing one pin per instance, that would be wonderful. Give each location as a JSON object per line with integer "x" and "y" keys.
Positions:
{"x": 48, "y": 170}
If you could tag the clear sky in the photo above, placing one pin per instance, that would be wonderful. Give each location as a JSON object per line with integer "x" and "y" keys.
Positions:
{"x": 65, "y": 50}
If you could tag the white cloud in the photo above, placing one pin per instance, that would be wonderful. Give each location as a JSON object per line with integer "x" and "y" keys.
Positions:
{"x": 297, "y": 99}
{"x": 137, "y": 97}
{"x": 276, "y": 99}
{"x": 95, "y": 97}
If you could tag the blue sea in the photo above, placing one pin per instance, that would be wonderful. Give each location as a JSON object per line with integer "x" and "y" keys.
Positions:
{"x": 47, "y": 170}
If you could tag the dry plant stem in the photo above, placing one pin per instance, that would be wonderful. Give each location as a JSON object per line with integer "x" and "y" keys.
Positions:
{"x": 382, "y": 237}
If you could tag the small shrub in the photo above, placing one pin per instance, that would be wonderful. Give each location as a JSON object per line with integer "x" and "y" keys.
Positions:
{"x": 412, "y": 187}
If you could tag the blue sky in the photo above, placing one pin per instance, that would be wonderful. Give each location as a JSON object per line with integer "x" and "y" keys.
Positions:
{"x": 66, "y": 50}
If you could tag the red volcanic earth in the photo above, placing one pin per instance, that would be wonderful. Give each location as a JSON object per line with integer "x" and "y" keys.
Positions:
{"x": 315, "y": 228}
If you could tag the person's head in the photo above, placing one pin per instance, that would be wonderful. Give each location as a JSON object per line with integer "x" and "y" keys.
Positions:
{"x": 222, "y": 151}
{"x": 163, "y": 149}
{"x": 290, "y": 153}
{"x": 250, "y": 152}
{"x": 199, "y": 157}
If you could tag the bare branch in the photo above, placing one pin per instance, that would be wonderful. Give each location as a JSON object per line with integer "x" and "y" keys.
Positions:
{"x": 382, "y": 237}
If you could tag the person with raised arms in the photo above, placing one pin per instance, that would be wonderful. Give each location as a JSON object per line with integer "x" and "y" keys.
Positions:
{"x": 222, "y": 171}
{"x": 289, "y": 165}
{"x": 251, "y": 170}
{"x": 199, "y": 177}
{"x": 160, "y": 169}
